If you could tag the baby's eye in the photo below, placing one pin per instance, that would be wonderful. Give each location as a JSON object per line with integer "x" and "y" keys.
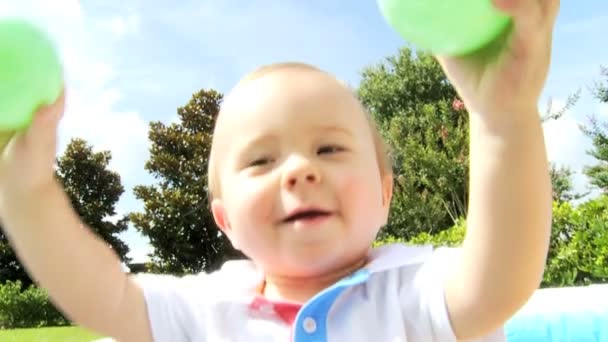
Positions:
{"x": 329, "y": 149}
{"x": 260, "y": 162}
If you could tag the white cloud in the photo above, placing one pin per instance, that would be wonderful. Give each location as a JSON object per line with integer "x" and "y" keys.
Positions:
{"x": 93, "y": 109}
{"x": 603, "y": 111}
{"x": 567, "y": 145}
{"x": 121, "y": 26}
{"x": 58, "y": 18}
{"x": 93, "y": 116}
{"x": 42, "y": 10}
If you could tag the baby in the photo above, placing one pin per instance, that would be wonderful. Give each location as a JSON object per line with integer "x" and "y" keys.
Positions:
{"x": 301, "y": 183}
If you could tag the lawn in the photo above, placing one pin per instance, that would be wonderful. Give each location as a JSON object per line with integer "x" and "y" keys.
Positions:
{"x": 61, "y": 334}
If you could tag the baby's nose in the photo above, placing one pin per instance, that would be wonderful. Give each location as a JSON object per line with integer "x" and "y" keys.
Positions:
{"x": 301, "y": 172}
{"x": 307, "y": 178}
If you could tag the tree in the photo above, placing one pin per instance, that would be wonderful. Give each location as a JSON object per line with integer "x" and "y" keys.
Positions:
{"x": 578, "y": 252}
{"x": 600, "y": 91}
{"x": 561, "y": 180}
{"x": 578, "y": 248}
{"x": 176, "y": 216}
{"x": 598, "y": 133}
{"x": 10, "y": 267}
{"x": 551, "y": 114}
{"x": 93, "y": 191}
{"x": 426, "y": 125}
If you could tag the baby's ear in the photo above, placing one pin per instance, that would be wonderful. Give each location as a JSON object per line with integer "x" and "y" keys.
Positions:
{"x": 220, "y": 216}
{"x": 387, "y": 190}
{"x": 221, "y": 219}
{"x": 387, "y": 194}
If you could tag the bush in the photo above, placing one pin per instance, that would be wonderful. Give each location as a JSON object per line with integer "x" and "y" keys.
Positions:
{"x": 578, "y": 251}
{"x": 578, "y": 254}
{"x": 30, "y": 308}
{"x": 451, "y": 237}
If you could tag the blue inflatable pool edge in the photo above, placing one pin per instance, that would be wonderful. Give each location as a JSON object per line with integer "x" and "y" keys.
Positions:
{"x": 562, "y": 314}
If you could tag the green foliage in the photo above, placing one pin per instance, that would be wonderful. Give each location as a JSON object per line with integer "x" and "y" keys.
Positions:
{"x": 419, "y": 115}
{"x": 53, "y": 334}
{"x": 452, "y": 237}
{"x": 578, "y": 252}
{"x": 553, "y": 114}
{"x": 561, "y": 180}
{"x": 176, "y": 216}
{"x": 388, "y": 240}
{"x": 598, "y": 133}
{"x": 10, "y": 267}
{"x": 600, "y": 91}
{"x": 93, "y": 190}
{"x": 27, "y": 308}
{"x": 401, "y": 82}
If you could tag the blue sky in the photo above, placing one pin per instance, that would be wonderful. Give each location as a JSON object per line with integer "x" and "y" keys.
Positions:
{"x": 128, "y": 63}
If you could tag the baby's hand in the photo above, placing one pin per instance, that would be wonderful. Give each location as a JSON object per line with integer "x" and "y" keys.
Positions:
{"x": 26, "y": 163}
{"x": 507, "y": 77}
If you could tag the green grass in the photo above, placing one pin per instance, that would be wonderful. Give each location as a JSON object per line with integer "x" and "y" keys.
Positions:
{"x": 60, "y": 334}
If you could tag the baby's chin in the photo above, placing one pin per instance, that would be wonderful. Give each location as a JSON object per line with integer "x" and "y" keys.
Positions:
{"x": 329, "y": 264}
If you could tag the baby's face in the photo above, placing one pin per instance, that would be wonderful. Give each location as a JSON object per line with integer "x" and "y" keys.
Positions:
{"x": 301, "y": 190}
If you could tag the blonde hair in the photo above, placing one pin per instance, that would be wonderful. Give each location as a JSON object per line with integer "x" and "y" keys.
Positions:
{"x": 383, "y": 156}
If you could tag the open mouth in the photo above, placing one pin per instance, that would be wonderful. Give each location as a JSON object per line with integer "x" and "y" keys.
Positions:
{"x": 306, "y": 215}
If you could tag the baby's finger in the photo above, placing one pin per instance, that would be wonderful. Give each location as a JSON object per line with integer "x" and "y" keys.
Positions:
{"x": 529, "y": 25}
{"x": 527, "y": 14}
{"x": 44, "y": 126}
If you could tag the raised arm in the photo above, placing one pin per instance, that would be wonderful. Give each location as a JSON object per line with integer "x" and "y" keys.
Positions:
{"x": 81, "y": 273}
{"x": 509, "y": 219}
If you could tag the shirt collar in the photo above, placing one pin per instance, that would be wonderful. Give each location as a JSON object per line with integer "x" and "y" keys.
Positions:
{"x": 246, "y": 277}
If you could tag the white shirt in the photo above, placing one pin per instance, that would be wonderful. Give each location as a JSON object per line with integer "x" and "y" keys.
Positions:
{"x": 398, "y": 296}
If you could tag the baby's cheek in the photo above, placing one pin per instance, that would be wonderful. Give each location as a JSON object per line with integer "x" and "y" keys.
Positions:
{"x": 361, "y": 195}
{"x": 353, "y": 189}
{"x": 255, "y": 199}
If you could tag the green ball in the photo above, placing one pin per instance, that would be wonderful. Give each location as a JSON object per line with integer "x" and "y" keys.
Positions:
{"x": 31, "y": 74}
{"x": 446, "y": 27}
